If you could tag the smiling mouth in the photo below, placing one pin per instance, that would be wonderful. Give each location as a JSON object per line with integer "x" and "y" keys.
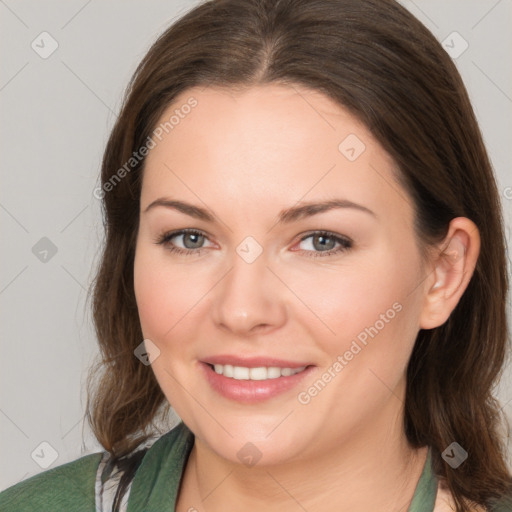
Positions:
{"x": 258, "y": 373}
{"x": 256, "y": 382}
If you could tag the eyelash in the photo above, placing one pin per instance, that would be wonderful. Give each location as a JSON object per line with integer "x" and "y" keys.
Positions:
{"x": 346, "y": 243}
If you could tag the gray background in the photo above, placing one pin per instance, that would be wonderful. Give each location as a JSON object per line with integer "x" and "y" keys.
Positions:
{"x": 56, "y": 116}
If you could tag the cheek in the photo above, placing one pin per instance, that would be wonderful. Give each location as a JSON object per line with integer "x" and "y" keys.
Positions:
{"x": 371, "y": 311}
{"x": 149, "y": 304}
{"x": 155, "y": 293}
{"x": 349, "y": 299}
{"x": 387, "y": 326}
{"x": 375, "y": 328}
{"x": 168, "y": 295}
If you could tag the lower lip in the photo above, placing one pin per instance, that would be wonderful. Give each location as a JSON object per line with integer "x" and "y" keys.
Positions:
{"x": 252, "y": 391}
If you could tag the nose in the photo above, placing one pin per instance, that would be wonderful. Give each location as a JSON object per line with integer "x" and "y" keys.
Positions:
{"x": 249, "y": 299}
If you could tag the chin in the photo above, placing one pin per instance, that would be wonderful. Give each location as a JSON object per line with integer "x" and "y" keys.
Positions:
{"x": 252, "y": 444}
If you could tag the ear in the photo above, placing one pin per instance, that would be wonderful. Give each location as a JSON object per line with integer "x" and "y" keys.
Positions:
{"x": 450, "y": 271}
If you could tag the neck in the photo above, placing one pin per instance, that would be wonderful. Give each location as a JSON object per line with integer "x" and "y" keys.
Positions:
{"x": 375, "y": 469}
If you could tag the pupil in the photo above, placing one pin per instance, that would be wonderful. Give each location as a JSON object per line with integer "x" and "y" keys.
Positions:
{"x": 196, "y": 242}
{"x": 322, "y": 239}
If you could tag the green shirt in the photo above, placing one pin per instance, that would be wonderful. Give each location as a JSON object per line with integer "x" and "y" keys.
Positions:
{"x": 71, "y": 487}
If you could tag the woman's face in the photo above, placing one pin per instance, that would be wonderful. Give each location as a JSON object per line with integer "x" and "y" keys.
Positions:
{"x": 259, "y": 287}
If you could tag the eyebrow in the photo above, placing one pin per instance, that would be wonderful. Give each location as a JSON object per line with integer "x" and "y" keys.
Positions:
{"x": 285, "y": 216}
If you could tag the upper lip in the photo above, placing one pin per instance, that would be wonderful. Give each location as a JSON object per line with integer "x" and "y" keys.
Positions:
{"x": 253, "y": 362}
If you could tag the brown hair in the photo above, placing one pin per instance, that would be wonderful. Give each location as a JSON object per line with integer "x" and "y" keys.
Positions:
{"x": 377, "y": 60}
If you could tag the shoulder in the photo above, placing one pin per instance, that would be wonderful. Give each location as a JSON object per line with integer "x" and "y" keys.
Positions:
{"x": 503, "y": 505}
{"x": 445, "y": 503}
{"x": 72, "y": 486}
{"x": 67, "y": 487}
{"x": 157, "y": 480}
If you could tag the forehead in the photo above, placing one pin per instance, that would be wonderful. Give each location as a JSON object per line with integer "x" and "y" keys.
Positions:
{"x": 266, "y": 144}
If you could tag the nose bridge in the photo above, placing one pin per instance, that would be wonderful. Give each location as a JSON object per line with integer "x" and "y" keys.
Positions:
{"x": 246, "y": 298}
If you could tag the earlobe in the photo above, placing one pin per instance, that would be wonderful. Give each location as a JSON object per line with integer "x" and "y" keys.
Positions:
{"x": 451, "y": 272}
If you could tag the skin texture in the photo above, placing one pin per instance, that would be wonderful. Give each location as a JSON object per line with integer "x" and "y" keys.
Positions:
{"x": 245, "y": 156}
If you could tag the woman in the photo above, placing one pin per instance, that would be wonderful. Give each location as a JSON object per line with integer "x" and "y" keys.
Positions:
{"x": 297, "y": 261}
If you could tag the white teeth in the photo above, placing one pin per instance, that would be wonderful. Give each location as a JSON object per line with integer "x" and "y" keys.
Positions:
{"x": 240, "y": 373}
{"x": 273, "y": 372}
{"x": 260, "y": 373}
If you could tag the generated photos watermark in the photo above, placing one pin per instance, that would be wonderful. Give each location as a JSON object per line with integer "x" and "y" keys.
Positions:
{"x": 137, "y": 156}
{"x": 357, "y": 345}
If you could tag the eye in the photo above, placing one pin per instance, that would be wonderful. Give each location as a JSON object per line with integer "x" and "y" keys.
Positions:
{"x": 192, "y": 241}
{"x": 323, "y": 243}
